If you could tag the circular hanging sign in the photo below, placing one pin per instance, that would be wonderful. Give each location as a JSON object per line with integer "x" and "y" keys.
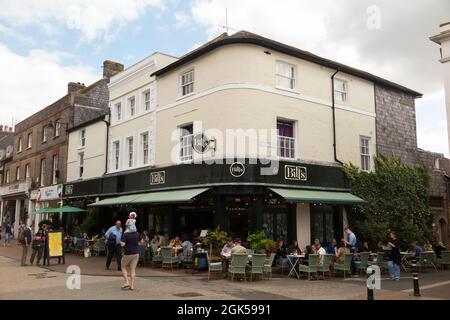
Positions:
{"x": 200, "y": 143}
{"x": 237, "y": 169}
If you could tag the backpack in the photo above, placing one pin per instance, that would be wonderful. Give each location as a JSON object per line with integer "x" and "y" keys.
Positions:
{"x": 111, "y": 240}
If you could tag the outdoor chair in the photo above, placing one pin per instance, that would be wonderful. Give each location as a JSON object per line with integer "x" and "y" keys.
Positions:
{"x": 156, "y": 258}
{"x": 213, "y": 267}
{"x": 346, "y": 266}
{"x": 187, "y": 260}
{"x": 311, "y": 267}
{"x": 444, "y": 260}
{"x": 363, "y": 261}
{"x": 325, "y": 266}
{"x": 257, "y": 266}
{"x": 167, "y": 258}
{"x": 381, "y": 262}
{"x": 427, "y": 259}
{"x": 79, "y": 246}
{"x": 249, "y": 251}
{"x": 144, "y": 256}
{"x": 268, "y": 265}
{"x": 99, "y": 248}
{"x": 238, "y": 264}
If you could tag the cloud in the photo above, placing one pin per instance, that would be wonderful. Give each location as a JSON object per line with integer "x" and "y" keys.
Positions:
{"x": 31, "y": 82}
{"x": 399, "y": 50}
{"x": 94, "y": 19}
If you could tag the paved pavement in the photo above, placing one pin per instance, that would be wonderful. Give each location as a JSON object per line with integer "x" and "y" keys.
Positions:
{"x": 153, "y": 283}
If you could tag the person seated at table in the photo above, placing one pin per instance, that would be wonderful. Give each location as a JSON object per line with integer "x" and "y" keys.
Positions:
{"x": 438, "y": 249}
{"x": 226, "y": 250}
{"x": 238, "y": 247}
{"x": 416, "y": 250}
{"x": 427, "y": 246}
{"x": 281, "y": 253}
{"x": 308, "y": 250}
{"x": 295, "y": 249}
{"x": 319, "y": 250}
{"x": 145, "y": 238}
{"x": 332, "y": 247}
{"x": 364, "y": 247}
{"x": 187, "y": 248}
{"x": 159, "y": 239}
{"x": 175, "y": 242}
{"x": 343, "y": 249}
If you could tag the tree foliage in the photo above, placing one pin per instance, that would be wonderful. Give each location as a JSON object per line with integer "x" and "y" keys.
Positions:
{"x": 397, "y": 199}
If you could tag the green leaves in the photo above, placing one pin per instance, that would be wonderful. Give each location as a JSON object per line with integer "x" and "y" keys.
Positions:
{"x": 397, "y": 197}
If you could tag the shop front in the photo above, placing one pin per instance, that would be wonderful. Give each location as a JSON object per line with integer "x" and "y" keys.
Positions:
{"x": 45, "y": 197}
{"x": 14, "y": 203}
{"x": 300, "y": 201}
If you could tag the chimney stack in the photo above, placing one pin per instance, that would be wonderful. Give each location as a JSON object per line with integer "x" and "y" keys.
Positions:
{"x": 111, "y": 68}
{"x": 74, "y": 87}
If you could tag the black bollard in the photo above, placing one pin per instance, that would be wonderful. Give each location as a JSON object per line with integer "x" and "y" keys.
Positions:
{"x": 370, "y": 287}
{"x": 415, "y": 278}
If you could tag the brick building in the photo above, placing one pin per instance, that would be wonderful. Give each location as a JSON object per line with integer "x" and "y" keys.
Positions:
{"x": 38, "y": 167}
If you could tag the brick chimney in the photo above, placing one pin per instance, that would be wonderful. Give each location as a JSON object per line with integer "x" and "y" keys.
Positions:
{"x": 111, "y": 68}
{"x": 75, "y": 86}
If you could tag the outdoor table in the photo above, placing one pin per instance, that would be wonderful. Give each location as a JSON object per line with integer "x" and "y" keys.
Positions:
{"x": 405, "y": 262}
{"x": 293, "y": 260}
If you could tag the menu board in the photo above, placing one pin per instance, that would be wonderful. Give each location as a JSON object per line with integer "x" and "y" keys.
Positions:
{"x": 55, "y": 244}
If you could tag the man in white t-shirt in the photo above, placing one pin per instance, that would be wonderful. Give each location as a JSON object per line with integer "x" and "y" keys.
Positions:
{"x": 319, "y": 250}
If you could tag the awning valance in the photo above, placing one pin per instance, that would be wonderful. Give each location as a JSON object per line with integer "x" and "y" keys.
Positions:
{"x": 317, "y": 196}
{"x": 173, "y": 196}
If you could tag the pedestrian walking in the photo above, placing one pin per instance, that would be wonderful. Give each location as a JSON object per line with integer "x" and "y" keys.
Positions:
{"x": 351, "y": 243}
{"x": 26, "y": 242}
{"x": 113, "y": 237}
{"x": 130, "y": 243}
{"x": 38, "y": 247}
{"x": 8, "y": 235}
{"x": 394, "y": 257}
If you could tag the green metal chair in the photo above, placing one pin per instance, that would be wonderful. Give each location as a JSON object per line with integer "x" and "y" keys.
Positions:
{"x": 238, "y": 264}
{"x": 268, "y": 265}
{"x": 311, "y": 267}
{"x": 167, "y": 258}
{"x": 444, "y": 260}
{"x": 156, "y": 258}
{"x": 249, "y": 251}
{"x": 427, "y": 259}
{"x": 213, "y": 266}
{"x": 363, "y": 262}
{"x": 381, "y": 262}
{"x": 346, "y": 266}
{"x": 257, "y": 266}
{"x": 326, "y": 263}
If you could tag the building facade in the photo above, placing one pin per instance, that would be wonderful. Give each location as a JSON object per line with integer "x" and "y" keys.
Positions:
{"x": 244, "y": 133}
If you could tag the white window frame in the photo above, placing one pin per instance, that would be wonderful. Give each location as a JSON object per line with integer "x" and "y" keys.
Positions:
{"x": 142, "y": 135}
{"x": 27, "y": 170}
{"x": 7, "y": 176}
{"x": 118, "y": 111}
{"x": 131, "y": 103}
{"x": 82, "y": 138}
{"x": 186, "y": 152}
{"x": 55, "y": 165}
{"x": 130, "y": 151}
{"x": 146, "y": 103}
{"x": 57, "y": 128}
{"x": 44, "y": 134}
{"x": 341, "y": 95}
{"x": 81, "y": 161}
{"x": 293, "y": 79}
{"x": 42, "y": 172}
{"x": 20, "y": 146}
{"x": 365, "y": 158}
{"x": 289, "y": 140}
{"x": 18, "y": 173}
{"x": 181, "y": 85}
{"x": 29, "y": 140}
{"x": 115, "y": 155}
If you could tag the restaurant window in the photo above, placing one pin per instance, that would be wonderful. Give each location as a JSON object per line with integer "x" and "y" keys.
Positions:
{"x": 276, "y": 225}
{"x": 80, "y": 164}
{"x": 116, "y": 155}
{"x": 144, "y": 139}
{"x": 132, "y": 106}
{"x": 340, "y": 89}
{"x": 286, "y": 140}
{"x": 118, "y": 111}
{"x": 44, "y": 134}
{"x": 82, "y": 141}
{"x": 27, "y": 171}
{"x": 187, "y": 83}
{"x": 19, "y": 145}
{"x": 286, "y": 75}
{"x": 365, "y": 153}
{"x": 57, "y": 128}
{"x": 29, "y": 140}
{"x": 186, "y": 135}
{"x": 146, "y": 96}
{"x": 130, "y": 152}
{"x": 17, "y": 173}
{"x": 7, "y": 176}
{"x": 55, "y": 171}
{"x": 42, "y": 173}
{"x": 324, "y": 224}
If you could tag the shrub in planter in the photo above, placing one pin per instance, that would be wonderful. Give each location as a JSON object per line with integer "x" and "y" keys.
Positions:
{"x": 217, "y": 239}
{"x": 259, "y": 242}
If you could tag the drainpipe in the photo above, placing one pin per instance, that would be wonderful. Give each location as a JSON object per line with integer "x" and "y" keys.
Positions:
{"x": 333, "y": 107}
{"x": 107, "y": 140}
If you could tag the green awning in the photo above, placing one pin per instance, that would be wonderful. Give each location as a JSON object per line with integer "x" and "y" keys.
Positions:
{"x": 172, "y": 196}
{"x": 65, "y": 209}
{"x": 313, "y": 196}
{"x": 169, "y": 196}
{"x": 42, "y": 211}
{"x": 114, "y": 201}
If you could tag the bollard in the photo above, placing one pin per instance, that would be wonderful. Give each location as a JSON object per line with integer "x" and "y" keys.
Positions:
{"x": 415, "y": 278}
{"x": 370, "y": 285}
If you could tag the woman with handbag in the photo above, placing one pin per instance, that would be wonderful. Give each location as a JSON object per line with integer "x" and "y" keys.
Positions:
{"x": 37, "y": 245}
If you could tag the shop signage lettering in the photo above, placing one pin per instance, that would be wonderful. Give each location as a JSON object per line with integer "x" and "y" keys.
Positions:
{"x": 157, "y": 178}
{"x": 237, "y": 169}
{"x": 295, "y": 173}
{"x": 68, "y": 189}
{"x": 50, "y": 193}
{"x": 200, "y": 143}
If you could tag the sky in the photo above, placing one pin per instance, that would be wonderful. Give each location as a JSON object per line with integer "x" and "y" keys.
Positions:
{"x": 44, "y": 44}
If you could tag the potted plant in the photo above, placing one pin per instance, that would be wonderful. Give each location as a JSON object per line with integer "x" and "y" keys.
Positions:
{"x": 216, "y": 239}
{"x": 259, "y": 242}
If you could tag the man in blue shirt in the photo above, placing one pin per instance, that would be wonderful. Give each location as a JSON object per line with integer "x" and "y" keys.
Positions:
{"x": 113, "y": 237}
{"x": 416, "y": 250}
{"x": 351, "y": 242}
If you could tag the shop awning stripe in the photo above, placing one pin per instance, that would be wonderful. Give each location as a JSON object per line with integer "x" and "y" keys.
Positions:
{"x": 169, "y": 196}
{"x": 114, "y": 201}
{"x": 315, "y": 196}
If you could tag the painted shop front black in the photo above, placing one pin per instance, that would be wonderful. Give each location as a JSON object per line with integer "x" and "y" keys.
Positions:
{"x": 237, "y": 196}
